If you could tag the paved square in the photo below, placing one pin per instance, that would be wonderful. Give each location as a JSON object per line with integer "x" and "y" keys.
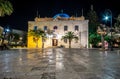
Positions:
{"x": 59, "y": 63}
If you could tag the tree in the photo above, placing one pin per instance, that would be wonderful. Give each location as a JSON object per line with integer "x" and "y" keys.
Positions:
{"x": 6, "y": 8}
{"x": 94, "y": 39}
{"x": 70, "y": 35}
{"x": 117, "y": 29}
{"x": 43, "y": 35}
{"x": 36, "y": 35}
{"x": 117, "y": 24}
{"x": 10, "y": 37}
{"x": 13, "y": 37}
{"x": 93, "y": 20}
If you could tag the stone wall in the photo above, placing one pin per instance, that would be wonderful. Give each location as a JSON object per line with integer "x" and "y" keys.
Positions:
{"x": 82, "y": 33}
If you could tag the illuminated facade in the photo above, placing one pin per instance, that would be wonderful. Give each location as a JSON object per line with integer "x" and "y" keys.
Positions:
{"x": 58, "y": 26}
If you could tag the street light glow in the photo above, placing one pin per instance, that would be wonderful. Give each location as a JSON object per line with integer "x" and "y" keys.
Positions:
{"x": 7, "y": 30}
{"x": 106, "y": 17}
{"x": 109, "y": 12}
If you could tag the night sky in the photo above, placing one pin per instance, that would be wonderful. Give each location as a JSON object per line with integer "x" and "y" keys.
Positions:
{"x": 26, "y": 10}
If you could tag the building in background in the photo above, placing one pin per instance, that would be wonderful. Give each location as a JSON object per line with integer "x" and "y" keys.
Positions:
{"x": 58, "y": 25}
{"x": 22, "y": 36}
{"x": 12, "y": 36}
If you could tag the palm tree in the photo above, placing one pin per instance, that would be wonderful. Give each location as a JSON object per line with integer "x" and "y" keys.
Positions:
{"x": 43, "y": 35}
{"x": 36, "y": 35}
{"x": 117, "y": 24}
{"x": 6, "y": 8}
{"x": 70, "y": 35}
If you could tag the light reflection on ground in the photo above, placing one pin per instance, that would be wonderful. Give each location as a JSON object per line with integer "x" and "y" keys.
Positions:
{"x": 59, "y": 63}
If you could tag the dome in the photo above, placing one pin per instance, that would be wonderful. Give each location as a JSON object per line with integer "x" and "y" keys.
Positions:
{"x": 62, "y": 15}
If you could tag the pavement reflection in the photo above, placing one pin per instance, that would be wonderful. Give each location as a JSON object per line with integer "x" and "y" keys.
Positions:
{"x": 59, "y": 63}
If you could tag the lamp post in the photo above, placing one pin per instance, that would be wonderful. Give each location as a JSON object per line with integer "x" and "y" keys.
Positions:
{"x": 102, "y": 31}
{"x": 107, "y": 17}
{"x": 4, "y": 34}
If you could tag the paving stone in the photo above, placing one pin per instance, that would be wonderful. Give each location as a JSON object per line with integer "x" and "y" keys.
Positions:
{"x": 59, "y": 63}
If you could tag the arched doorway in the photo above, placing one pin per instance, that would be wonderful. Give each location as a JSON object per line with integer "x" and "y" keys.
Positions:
{"x": 54, "y": 40}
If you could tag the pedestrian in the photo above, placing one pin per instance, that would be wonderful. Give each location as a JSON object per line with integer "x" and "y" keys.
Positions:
{"x": 106, "y": 45}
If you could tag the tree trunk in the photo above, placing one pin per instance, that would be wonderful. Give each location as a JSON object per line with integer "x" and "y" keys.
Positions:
{"x": 69, "y": 43}
{"x": 37, "y": 44}
{"x": 102, "y": 39}
{"x": 42, "y": 43}
{"x": 3, "y": 39}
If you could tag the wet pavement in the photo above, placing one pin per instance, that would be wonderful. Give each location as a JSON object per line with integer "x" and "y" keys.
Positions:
{"x": 59, "y": 63}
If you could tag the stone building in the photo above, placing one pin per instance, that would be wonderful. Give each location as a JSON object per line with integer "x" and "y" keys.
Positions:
{"x": 58, "y": 25}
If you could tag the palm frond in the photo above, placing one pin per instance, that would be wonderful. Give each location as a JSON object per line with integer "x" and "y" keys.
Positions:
{"x": 69, "y": 35}
{"x": 6, "y": 8}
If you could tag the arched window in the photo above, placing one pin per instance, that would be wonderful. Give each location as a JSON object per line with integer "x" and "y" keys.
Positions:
{"x": 55, "y": 27}
{"x": 76, "y": 28}
{"x": 65, "y": 28}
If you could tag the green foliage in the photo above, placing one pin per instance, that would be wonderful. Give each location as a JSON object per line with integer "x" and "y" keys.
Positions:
{"x": 117, "y": 24}
{"x": 6, "y": 8}
{"x": 94, "y": 38}
{"x": 37, "y": 34}
{"x": 107, "y": 38}
{"x": 70, "y": 36}
{"x": 1, "y": 36}
{"x": 92, "y": 27}
{"x": 13, "y": 37}
{"x": 92, "y": 16}
{"x": 16, "y": 37}
{"x": 93, "y": 21}
{"x": 1, "y": 30}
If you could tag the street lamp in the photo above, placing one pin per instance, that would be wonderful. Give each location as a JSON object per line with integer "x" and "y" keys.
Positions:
{"x": 4, "y": 34}
{"x": 107, "y": 17}
{"x": 102, "y": 31}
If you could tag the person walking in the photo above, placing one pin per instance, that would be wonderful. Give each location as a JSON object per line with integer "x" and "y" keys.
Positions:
{"x": 106, "y": 45}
